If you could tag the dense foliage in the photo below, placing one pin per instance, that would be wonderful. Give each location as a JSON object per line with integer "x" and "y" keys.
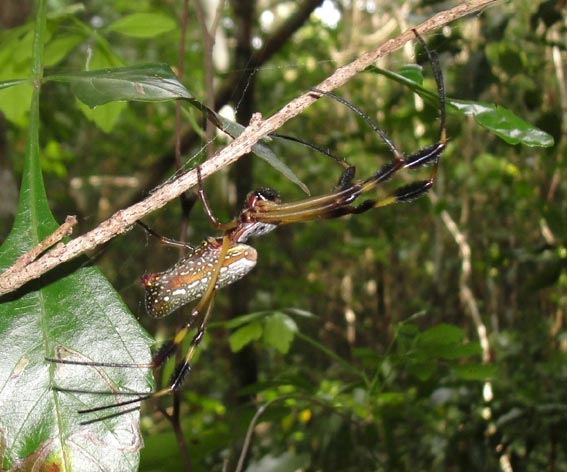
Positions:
{"x": 423, "y": 336}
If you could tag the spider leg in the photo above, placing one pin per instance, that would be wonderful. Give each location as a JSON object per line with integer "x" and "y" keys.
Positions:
{"x": 349, "y": 170}
{"x": 393, "y": 148}
{"x": 208, "y": 210}
{"x": 341, "y": 201}
{"x": 180, "y": 372}
{"x": 163, "y": 239}
{"x": 202, "y": 312}
{"x": 429, "y": 154}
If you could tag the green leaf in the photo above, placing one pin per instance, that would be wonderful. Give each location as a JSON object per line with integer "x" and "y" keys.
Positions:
{"x": 441, "y": 334}
{"x": 143, "y": 25}
{"x": 422, "y": 369}
{"x": 499, "y": 120}
{"x": 476, "y": 371}
{"x": 279, "y": 331}
{"x": 413, "y": 72}
{"x": 104, "y": 116}
{"x": 78, "y": 314}
{"x": 444, "y": 341}
{"x": 72, "y": 311}
{"x": 392, "y": 399}
{"x": 469, "y": 349}
{"x": 245, "y": 335}
{"x": 59, "y": 48}
{"x": 15, "y": 101}
{"x": 504, "y": 123}
{"x": 264, "y": 152}
{"x": 241, "y": 320}
{"x": 15, "y": 51}
{"x": 409, "y": 77}
{"x": 150, "y": 82}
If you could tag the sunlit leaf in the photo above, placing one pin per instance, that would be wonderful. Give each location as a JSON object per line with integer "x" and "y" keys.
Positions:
{"x": 16, "y": 48}
{"x": 59, "y": 48}
{"x": 504, "y": 123}
{"x": 413, "y": 72}
{"x": 245, "y": 335}
{"x": 15, "y": 101}
{"x": 143, "y": 25}
{"x": 104, "y": 116}
{"x": 279, "y": 331}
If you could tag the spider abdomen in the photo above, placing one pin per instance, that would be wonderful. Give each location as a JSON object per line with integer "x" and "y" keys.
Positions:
{"x": 189, "y": 278}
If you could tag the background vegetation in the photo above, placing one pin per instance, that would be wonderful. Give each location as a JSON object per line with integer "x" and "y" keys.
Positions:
{"x": 423, "y": 336}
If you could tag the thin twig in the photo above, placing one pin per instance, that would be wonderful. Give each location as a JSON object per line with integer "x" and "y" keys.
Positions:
{"x": 208, "y": 36}
{"x": 27, "y": 258}
{"x": 122, "y": 220}
{"x": 248, "y": 438}
{"x": 262, "y": 409}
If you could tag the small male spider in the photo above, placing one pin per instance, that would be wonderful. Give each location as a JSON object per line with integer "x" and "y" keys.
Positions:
{"x": 221, "y": 261}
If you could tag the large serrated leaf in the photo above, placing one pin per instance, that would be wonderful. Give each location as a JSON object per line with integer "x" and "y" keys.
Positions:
{"x": 72, "y": 311}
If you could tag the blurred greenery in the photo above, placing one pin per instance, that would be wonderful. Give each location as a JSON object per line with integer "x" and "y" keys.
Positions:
{"x": 421, "y": 336}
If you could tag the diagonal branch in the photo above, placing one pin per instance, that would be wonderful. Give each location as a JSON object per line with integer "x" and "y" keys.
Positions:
{"x": 122, "y": 220}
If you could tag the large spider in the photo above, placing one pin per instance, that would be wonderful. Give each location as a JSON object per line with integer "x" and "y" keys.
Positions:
{"x": 221, "y": 261}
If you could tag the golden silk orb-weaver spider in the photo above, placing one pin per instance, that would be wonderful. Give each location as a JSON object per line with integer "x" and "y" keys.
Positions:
{"x": 221, "y": 261}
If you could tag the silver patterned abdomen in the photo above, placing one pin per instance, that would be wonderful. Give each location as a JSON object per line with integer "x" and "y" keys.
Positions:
{"x": 188, "y": 279}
